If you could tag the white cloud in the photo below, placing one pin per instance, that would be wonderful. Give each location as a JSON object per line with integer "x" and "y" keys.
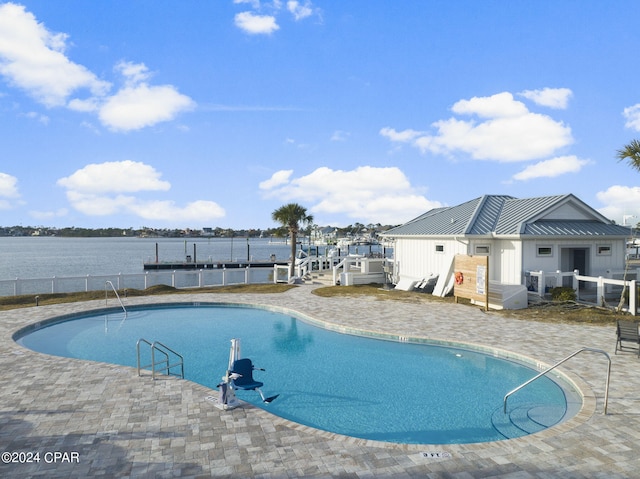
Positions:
{"x": 278, "y": 178}
{"x": 632, "y": 114}
{"x": 298, "y": 10}
{"x": 44, "y": 119}
{"x": 366, "y": 193}
{"x": 115, "y": 177}
{"x": 552, "y": 168}
{"x": 105, "y": 189}
{"x": 256, "y": 24}
{"x": 33, "y": 59}
{"x": 501, "y": 105}
{"x": 340, "y": 135}
{"x": 47, "y": 215}
{"x": 196, "y": 211}
{"x": 620, "y": 201}
{"x": 400, "y": 136}
{"x": 8, "y": 186}
{"x": 507, "y": 132}
{"x": 133, "y": 108}
{"x": 550, "y": 97}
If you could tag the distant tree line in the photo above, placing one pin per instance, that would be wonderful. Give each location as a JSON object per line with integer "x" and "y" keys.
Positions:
{"x": 214, "y": 232}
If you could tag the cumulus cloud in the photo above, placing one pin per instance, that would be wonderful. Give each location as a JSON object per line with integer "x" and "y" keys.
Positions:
{"x": 376, "y": 195}
{"x": 557, "y": 98}
{"x": 298, "y": 10}
{"x": 139, "y": 106}
{"x": 257, "y": 22}
{"x": 115, "y": 176}
{"x": 8, "y": 186}
{"x": 278, "y": 178}
{"x": 632, "y": 114}
{"x": 254, "y": 24}
{"x": 8, "y": 191}
{"x": 620, "y": 201}
{"x": 501, "y": 129}
{"x": 33, "y": 59}
{"x": 552, "y": 168}
{"x": 109, "y": 188}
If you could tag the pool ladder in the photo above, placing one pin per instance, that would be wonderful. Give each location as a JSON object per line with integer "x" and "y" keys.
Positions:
{"x": 606, "y": 387}
{"x": 164, "y": 363}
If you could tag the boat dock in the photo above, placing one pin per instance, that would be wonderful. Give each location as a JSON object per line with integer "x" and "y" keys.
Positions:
{"x": 171, "y": 265}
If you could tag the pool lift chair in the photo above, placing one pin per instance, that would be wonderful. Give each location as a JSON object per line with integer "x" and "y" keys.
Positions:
{"x": 239, "y": 375}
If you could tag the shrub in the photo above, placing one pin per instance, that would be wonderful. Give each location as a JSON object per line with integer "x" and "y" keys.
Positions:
{"x": 563, "y": 294}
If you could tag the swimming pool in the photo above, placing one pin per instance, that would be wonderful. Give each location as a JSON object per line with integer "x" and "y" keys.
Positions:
{"x": 357, "y": 386}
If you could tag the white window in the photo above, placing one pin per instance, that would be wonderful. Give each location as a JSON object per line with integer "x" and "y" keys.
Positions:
{"x": 544, "y": 250}
{"x": 603, "y": 250}
{"x": 482, "y": 249}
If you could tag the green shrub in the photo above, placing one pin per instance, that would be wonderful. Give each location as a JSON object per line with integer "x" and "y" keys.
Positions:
{"x": 563, "y": 294}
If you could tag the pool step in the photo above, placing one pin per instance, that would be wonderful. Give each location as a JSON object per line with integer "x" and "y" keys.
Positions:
{"x": 526, "y": 419}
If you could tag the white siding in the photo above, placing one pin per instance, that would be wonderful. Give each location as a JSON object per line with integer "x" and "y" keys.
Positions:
{"x": 417, "y": 258}
{"x": 597, "y": 264}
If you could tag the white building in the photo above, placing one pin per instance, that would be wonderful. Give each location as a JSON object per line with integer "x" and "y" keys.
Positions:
{"x": 550, "y": 233}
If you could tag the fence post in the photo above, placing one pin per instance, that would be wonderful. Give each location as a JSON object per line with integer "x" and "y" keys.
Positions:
{"x": 576, "y": 284}
{"x": 15, "y": 287}
{"x": 224, "y": 276}
{"x": 633, "y": 292}
{"x": 246, "y": 275}
{"x": 600, "y": 291}
{"x": 200, "y": 279}
{"x": 53, "y": 285}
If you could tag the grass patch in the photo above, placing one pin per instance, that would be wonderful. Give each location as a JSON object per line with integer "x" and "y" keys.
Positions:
{"x": 28, "y": 300}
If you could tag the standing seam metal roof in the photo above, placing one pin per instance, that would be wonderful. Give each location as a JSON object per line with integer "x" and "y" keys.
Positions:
{"x": 505, "y": 215}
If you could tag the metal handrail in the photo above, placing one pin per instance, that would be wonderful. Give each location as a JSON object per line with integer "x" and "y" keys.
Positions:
{"x": 606, "y": 389}
{"x": 117, "y": 296}
{"x": 163, "y": 349}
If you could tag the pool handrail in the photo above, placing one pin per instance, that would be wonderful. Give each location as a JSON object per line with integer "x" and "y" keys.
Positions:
{"x": 117, "y": 296}
{"x": 606, "y": 389}
{"x": 165, "y": 350}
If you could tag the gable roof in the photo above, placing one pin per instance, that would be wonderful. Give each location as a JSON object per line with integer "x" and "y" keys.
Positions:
{"x": 502, "y": 215}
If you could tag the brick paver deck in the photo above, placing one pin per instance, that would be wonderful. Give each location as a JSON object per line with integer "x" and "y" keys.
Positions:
{"x": 112, "y": 423}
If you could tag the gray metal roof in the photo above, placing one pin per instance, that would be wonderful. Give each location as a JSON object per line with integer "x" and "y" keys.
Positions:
{"x": 505, "y": 215}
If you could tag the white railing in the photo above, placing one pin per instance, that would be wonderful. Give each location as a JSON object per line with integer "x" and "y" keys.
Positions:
{"x": 598, "y": 290}
{"x": 175, "y": 278}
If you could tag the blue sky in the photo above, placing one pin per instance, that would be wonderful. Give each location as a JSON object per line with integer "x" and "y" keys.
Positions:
{"x": 187, "y": 113}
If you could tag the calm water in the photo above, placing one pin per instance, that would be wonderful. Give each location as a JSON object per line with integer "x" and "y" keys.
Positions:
{"x": 362, "y": 387}
{"x": 44, "y": 257}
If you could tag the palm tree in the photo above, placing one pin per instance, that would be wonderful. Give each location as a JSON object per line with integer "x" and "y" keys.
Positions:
{"x": 290, "y": 216}
{"x": 631, "y": 153}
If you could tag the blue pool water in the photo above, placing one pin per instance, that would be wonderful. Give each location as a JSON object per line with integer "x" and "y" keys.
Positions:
{"x": 357, "y": 386}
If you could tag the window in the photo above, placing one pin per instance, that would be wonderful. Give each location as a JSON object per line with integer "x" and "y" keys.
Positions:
{"x": 604, "y": 250}
{"x": 483, "y": 249}
{"x": 545, "y": 251}
{"x": 439, "y": 248}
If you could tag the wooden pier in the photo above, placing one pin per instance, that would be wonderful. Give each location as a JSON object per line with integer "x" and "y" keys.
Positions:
{"x": 174, "y": 265}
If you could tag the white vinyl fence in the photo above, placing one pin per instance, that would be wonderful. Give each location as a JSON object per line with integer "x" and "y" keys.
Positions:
{"x": 597, "y": 290}
{"x": 175, "y": 278}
